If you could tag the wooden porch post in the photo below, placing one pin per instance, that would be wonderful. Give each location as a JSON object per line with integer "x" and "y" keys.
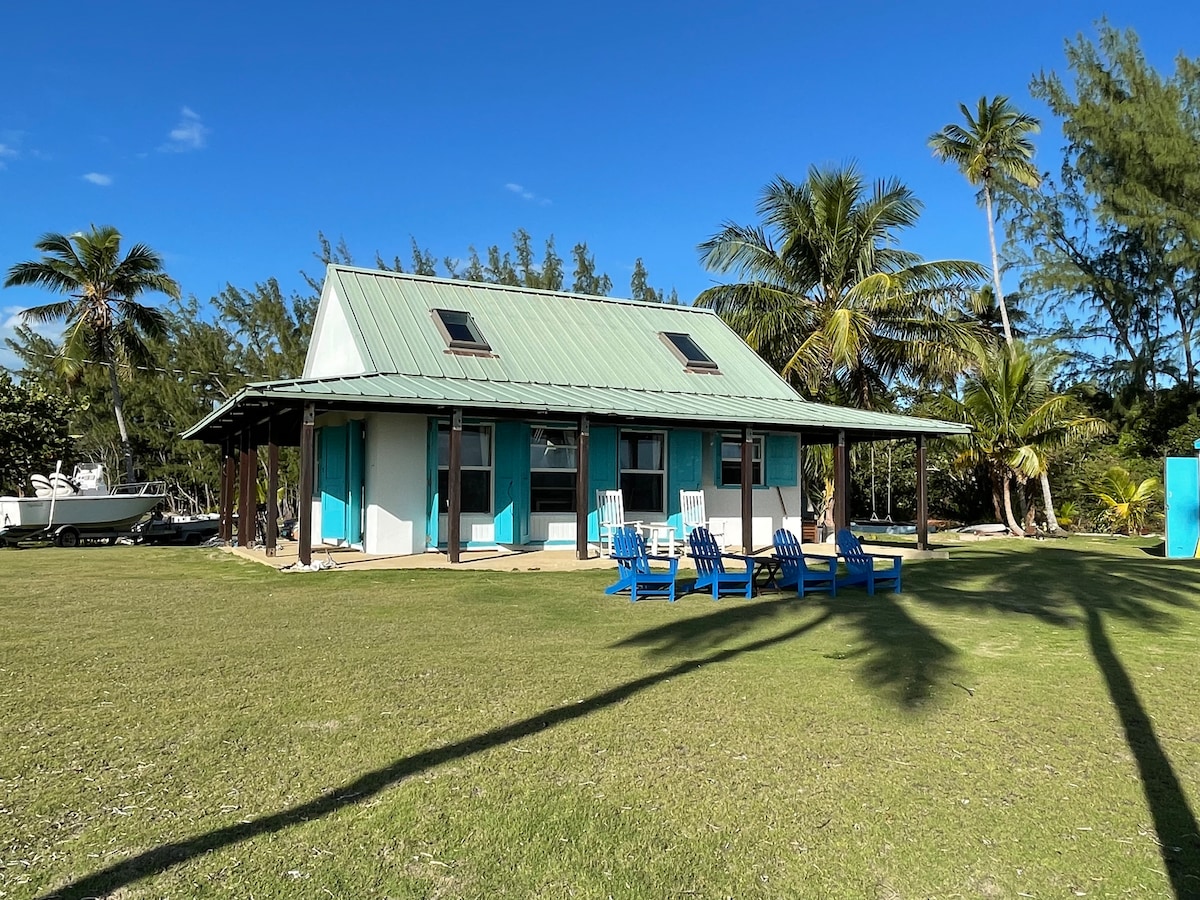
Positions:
{"x": 245, "y": 510}
{"x": 841, "y": 482}
{"x": 747, "y": 490}
{"x": 454, "y": 523}
{"x": 581, "y": 487}
{"x": 922, "y": 497}
{"x": 306, "y": 484}
{"x": 227, "y": 482}
{"x": 272, "y": 492}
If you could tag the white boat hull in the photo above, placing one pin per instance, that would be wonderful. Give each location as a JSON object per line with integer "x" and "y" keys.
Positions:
{"x": 87, "y": 514}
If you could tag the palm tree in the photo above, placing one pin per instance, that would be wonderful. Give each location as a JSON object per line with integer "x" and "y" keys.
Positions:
{"x": 105, "y": 324}
{"x": 829, "y": 300}
{"x": 993, "y": 146}
{"x": 1016, "y": 423}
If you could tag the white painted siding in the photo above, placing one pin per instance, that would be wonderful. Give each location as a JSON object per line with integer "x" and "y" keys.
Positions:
{"x": 395, "y": 491}
{"x": 332, "y": 350}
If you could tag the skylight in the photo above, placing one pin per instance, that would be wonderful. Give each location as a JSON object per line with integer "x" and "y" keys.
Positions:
{"x": 689, "y": 352}
{"x": 460, "y": 331}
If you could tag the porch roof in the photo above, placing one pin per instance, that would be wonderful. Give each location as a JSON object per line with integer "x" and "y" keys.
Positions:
{"x": 434, "y": 395}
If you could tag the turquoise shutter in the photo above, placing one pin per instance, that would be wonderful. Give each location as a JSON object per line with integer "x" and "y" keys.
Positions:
{"x": 511, "y": 487}
{"x": 716, "y": 459}
{"x": 354, "y": 481}
{"x": 685, "y": 466}
{"x": 332, "y": 469}
{"x": 602, "y": 472}
{"x": 780, "y": 462}
{"x": 431, "y": 485}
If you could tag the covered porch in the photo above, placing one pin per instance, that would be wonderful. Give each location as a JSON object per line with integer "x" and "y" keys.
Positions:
{"x": 260, "y": 418}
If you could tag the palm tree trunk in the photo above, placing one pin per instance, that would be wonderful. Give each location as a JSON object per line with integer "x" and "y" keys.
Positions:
{"x": 1048, "y": 502}
{"x": 987, "y": 199}
{"x": 119, "y": 409}
{"x": 1010, "y": 519}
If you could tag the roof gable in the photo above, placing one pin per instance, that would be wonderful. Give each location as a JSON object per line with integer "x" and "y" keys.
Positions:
{"x": 535, "y": 337}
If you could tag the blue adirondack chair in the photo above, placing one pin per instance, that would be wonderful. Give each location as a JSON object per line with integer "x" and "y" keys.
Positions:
{"x": 794, "y": 571}
{"x": 860, "y": 565}
{"x": 710, "y": 567}
{"x": 633, "y": 568}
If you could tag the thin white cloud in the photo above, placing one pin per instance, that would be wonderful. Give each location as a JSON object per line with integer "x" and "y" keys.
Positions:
{"x": 6, "y": 152}
{"x": 526, "y": 194}
{"x": 190, "y": 134}
{"x": 12, "y": 316}
{"x": 98, "y": 178}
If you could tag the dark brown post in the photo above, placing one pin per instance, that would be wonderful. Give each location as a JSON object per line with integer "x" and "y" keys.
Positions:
{"x": 582, "y": 440}
{"x": 306, "y": 483}
{"x": 922, "y": 497}
{"x": 747, "y": 491}
{"x": 272, "y": 493}
{"x": 454, "y": 523}
{"x": 245, "y": 507}
{"x": 228, "y": 479}
{"x": 841, "y": 482}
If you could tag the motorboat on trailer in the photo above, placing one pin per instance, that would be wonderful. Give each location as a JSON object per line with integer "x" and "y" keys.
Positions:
{"x": 80, "y": 506}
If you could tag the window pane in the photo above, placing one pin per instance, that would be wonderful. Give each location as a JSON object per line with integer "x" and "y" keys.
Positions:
{"x": 552, "y": 491}
{"x": 731, "y": 461}
{"x": 476, "y": 445}
{"x": 552, "y": 448}
{"x": 641, "y": 451}
{"x": 476, "y": 491}
{"x": 643, "y": 493}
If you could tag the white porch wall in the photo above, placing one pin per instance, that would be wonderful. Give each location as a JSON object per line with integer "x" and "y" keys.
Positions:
{"x": 395, "y": 474}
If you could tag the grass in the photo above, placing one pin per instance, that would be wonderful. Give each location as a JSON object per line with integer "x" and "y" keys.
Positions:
{"x": 178, "y": 723}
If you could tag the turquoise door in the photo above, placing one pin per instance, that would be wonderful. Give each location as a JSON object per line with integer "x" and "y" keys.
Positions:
{"x": 684, "y": 471}
{"x": 602, "y": 472}
{"x": 511, "y": 501}
{"x": 340, "y": 477}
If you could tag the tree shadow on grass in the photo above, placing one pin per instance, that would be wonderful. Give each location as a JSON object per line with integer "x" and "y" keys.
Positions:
{"x": 1070, "y": 587}
{"x": 900, "y": 656}
{"x": 1060, "y": 586}
{"x": 157, "y": 860}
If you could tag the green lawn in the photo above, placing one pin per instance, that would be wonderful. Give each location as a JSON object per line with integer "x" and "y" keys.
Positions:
{"x": 174, "y": 722}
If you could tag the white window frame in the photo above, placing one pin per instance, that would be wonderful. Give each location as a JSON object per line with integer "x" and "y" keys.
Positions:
{"x": 490, "y": 469}
{"x": 662, "y": 473}
{"x": 758, "y": 455}
{"x": 557, "y": 470}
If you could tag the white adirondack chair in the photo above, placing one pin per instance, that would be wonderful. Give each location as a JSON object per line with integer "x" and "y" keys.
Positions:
{"x": 691, "y": 509}
{"x": 610, "y": 508}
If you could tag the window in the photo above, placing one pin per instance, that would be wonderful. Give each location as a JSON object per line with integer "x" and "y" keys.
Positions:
{"x": 476, "y": 468}
{"x": 459, "y": 330}
{"x": 693, "y": 358}
{"x": 553, "y": 468}
{"x": 642, "y": 460}
{"x": 731, "y": 460}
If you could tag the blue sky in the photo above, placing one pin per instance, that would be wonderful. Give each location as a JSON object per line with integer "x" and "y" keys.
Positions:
{"x": 225, "y": 135}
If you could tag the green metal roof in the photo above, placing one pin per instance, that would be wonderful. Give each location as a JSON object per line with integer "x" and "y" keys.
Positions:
{"x": 551, "y": 353}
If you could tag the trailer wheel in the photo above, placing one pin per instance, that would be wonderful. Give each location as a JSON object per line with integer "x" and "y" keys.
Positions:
{"x": 66, "y": 537}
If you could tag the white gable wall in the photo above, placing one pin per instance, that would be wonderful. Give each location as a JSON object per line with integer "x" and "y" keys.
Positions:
{"x": 395, "y": 484}
{"x": 332, "y": 350}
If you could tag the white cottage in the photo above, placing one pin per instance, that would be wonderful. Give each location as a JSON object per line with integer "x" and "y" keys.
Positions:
{"x": 438, "y": 415}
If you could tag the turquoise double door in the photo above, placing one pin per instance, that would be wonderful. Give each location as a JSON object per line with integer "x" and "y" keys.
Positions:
{"x": 340, "y": 482}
